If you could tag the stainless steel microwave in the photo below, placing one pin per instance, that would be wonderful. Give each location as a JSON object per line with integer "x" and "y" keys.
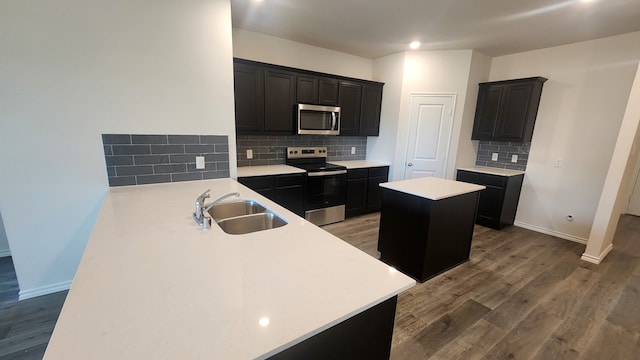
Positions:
{"x": 318, "y": 120}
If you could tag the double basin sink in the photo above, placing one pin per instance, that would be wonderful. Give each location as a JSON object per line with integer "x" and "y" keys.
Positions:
{"x": 244, "y": 216}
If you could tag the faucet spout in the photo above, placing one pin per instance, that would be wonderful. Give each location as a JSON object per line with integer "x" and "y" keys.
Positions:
{"x": 208, "y": 207}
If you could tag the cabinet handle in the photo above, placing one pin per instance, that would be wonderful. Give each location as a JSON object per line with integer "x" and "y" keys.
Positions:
{"x": 410, "y": 164}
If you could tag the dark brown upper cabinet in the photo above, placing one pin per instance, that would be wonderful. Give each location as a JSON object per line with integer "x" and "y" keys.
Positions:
{"x": 370, "y": 110}
{"x": 279, "y": 102}
{"x": 507, "y": 110}
{"x": 266, "y": 96}
{"x": 249, "y": 98}
{"x": 316, "y": 91}
{"x": 350, "y": 102}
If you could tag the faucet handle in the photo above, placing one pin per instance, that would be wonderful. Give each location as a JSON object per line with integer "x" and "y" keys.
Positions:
{"x": 203, "y": 196}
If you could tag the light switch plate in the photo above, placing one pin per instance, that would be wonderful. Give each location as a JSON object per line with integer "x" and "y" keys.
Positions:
{"x": 353, "y": 150}
{"x": 494, "y": 157}
{"x": 249, "y": 154}
{"x": 514, "y": 158}
{"x": 199, "y": 162}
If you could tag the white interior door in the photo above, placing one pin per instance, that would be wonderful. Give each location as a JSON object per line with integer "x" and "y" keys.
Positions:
{"x": 430, "y": 125}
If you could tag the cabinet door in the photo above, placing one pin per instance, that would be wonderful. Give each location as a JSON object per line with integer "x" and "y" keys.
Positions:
{"x": 290, "y": 192}
{"x": 356, "y": 196}
{"x": 279, "y": 100}
{"x": 306, "y": 90}
{"x": 263, "y": 185}
{"x": 328, "y": 92}
{"x": 249, "y": 98}
{"x": 349, "y": 97}
{"x": 374, "y": 192}
{"x": 512, "y": 120}
{"x": 370, "y": 110}
{"x": 490, "y": 205}
{"x": 487, "y": 110}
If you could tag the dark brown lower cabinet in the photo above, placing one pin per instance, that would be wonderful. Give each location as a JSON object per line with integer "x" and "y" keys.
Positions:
{"x": 286, "y": 190}
{"x": 423, "y": 237}
{"x": 366, "y": 335}
{"x": 363, "y": 190}
{"x": 499, "y": 201}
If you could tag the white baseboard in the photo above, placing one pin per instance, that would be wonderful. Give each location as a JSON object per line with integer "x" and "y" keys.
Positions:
{"x": 5, "y": 253}
{"x": 45, "y": 290}
{"x": 552, "y": 232}
{"x": 597, "y": 259}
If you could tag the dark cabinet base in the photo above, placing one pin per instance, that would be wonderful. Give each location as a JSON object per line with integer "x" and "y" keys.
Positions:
{"x": 499, "y": 201}
{"x": 364, "y": 336}
{"x": 422, "y": 237}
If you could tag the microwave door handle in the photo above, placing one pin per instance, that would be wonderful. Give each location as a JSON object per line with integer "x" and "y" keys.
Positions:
{"x": 333, "y": 120}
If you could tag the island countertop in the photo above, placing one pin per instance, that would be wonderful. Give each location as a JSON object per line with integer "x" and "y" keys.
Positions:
{"x": 432, "y": 188}
{"x": 151, "y": 284}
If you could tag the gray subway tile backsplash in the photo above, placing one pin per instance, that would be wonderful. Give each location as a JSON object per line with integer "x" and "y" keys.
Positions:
{"x": 136, "y": 159}
{"x": 271, "y": 150}
{"x": 505, "y": 150}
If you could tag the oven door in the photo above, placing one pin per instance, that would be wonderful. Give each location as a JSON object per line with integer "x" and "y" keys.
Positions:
{"x": 326, "y": 189}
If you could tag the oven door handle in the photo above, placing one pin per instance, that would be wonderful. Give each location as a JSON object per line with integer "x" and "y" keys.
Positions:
{"x": 327, "y": 173}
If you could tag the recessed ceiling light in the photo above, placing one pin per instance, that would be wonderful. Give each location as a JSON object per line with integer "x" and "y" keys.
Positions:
{"x": 414, "y": 44}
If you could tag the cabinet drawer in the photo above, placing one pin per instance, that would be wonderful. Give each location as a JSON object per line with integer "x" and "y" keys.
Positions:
{"x": 290, "y": 180}
{"x": 467, "y": 176}
{"x": 379, "y": 171}
{"x": 492, "y": 180}
{"x": 357, "y": 173}
{"x": 257, "y": 182}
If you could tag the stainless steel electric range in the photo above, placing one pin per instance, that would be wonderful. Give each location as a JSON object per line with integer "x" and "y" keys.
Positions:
{"x": 326, "y": 184}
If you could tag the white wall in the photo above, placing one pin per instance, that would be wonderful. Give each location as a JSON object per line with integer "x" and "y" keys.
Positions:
{"x": 390, "y": 70}
{"x": 615, "y": 194}
{"x": 467, "y": 149}
{"x": 258, "y": 47}
{"x": 4, "y": 242}
{"x": 432, "y": 72}
{"x": 581, "y": 110}
{"x": 71, "y": 70}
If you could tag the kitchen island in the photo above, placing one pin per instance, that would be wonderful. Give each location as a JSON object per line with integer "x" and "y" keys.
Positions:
{"x": 153, "y": 285}
{"x": 426, "y": 225}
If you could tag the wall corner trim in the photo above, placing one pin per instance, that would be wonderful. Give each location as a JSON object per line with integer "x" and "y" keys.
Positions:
{"x": 44, "y": 290}
{"x": 597, "y": 259}
{"x": 557, "y": 234}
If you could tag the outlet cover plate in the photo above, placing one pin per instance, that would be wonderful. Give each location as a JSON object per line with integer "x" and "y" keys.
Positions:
{"x": 494, "y": 157}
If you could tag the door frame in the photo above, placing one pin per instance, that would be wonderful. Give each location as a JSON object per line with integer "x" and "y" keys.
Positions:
{"x": 454, "y": 97}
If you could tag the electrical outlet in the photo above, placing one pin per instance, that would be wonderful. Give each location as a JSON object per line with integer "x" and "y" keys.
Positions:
{"x": 353, "y": 150}
{"x": 558, "y": 163}
{"x": 199, "y": 162}
{"x": 514, "y": 158}
{"x": 249, "y": 154}
{"x": 494, "y": 157}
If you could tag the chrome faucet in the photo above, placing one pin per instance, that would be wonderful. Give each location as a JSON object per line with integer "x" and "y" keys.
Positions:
{"x": 200, "y": 211}
{"x": 206, "y": 209}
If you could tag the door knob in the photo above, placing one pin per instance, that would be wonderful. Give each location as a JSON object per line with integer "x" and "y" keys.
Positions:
{"x": 410, "y": 164}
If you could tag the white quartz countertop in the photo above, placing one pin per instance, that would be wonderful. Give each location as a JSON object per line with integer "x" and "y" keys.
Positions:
{"x": 152, "y": 285}
{"x": 263, "y": 170}
{"x": 492, "y": 171}
{"x": 432, "y": 188}
{"x": 358, "y": 164}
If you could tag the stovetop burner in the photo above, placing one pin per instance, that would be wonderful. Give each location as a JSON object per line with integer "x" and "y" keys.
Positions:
{"x": 311, "y": 159}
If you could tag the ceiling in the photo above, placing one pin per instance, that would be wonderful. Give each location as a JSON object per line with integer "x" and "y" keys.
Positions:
{"x": 375, "y": 28}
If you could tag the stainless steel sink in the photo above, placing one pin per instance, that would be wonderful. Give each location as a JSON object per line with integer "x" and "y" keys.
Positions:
{"x": 244, "y": 216}
{"x": 251, "y": 223}
{"x": 231, "y": 209}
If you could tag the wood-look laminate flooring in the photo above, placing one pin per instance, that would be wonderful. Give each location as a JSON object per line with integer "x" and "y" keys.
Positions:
{"x": 522, "y": 295}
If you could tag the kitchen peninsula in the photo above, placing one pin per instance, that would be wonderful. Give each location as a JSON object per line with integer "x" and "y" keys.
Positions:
{"x": 426, "y": 224}
{"x": 153, "y": 285}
